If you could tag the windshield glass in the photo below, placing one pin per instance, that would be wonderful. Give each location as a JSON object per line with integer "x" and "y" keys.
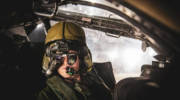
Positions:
{"x": 124, "y": 53}
{"x": 89, "y": 10}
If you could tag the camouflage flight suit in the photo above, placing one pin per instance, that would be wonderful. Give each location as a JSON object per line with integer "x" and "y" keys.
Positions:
{"x": 58, "y": 89}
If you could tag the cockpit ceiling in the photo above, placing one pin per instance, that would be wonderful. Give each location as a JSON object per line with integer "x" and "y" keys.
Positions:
{"x": 161, "y": 10}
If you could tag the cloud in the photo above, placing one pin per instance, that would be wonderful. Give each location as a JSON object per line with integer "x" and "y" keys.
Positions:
{"x": 124, "y": 53}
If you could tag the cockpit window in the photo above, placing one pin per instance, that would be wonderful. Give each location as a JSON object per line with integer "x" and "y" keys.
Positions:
{"x": 124, "y": 53}
{"x": 88, "y": 10}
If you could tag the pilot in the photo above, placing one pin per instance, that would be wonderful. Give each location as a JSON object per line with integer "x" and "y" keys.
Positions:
{"x": 68, "y": 66}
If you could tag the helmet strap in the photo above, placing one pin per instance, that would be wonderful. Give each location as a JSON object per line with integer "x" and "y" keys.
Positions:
{"x": 63, "y": 30}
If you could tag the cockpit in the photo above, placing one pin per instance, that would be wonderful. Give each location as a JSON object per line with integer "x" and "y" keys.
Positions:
{"x": 139, "y": 51}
